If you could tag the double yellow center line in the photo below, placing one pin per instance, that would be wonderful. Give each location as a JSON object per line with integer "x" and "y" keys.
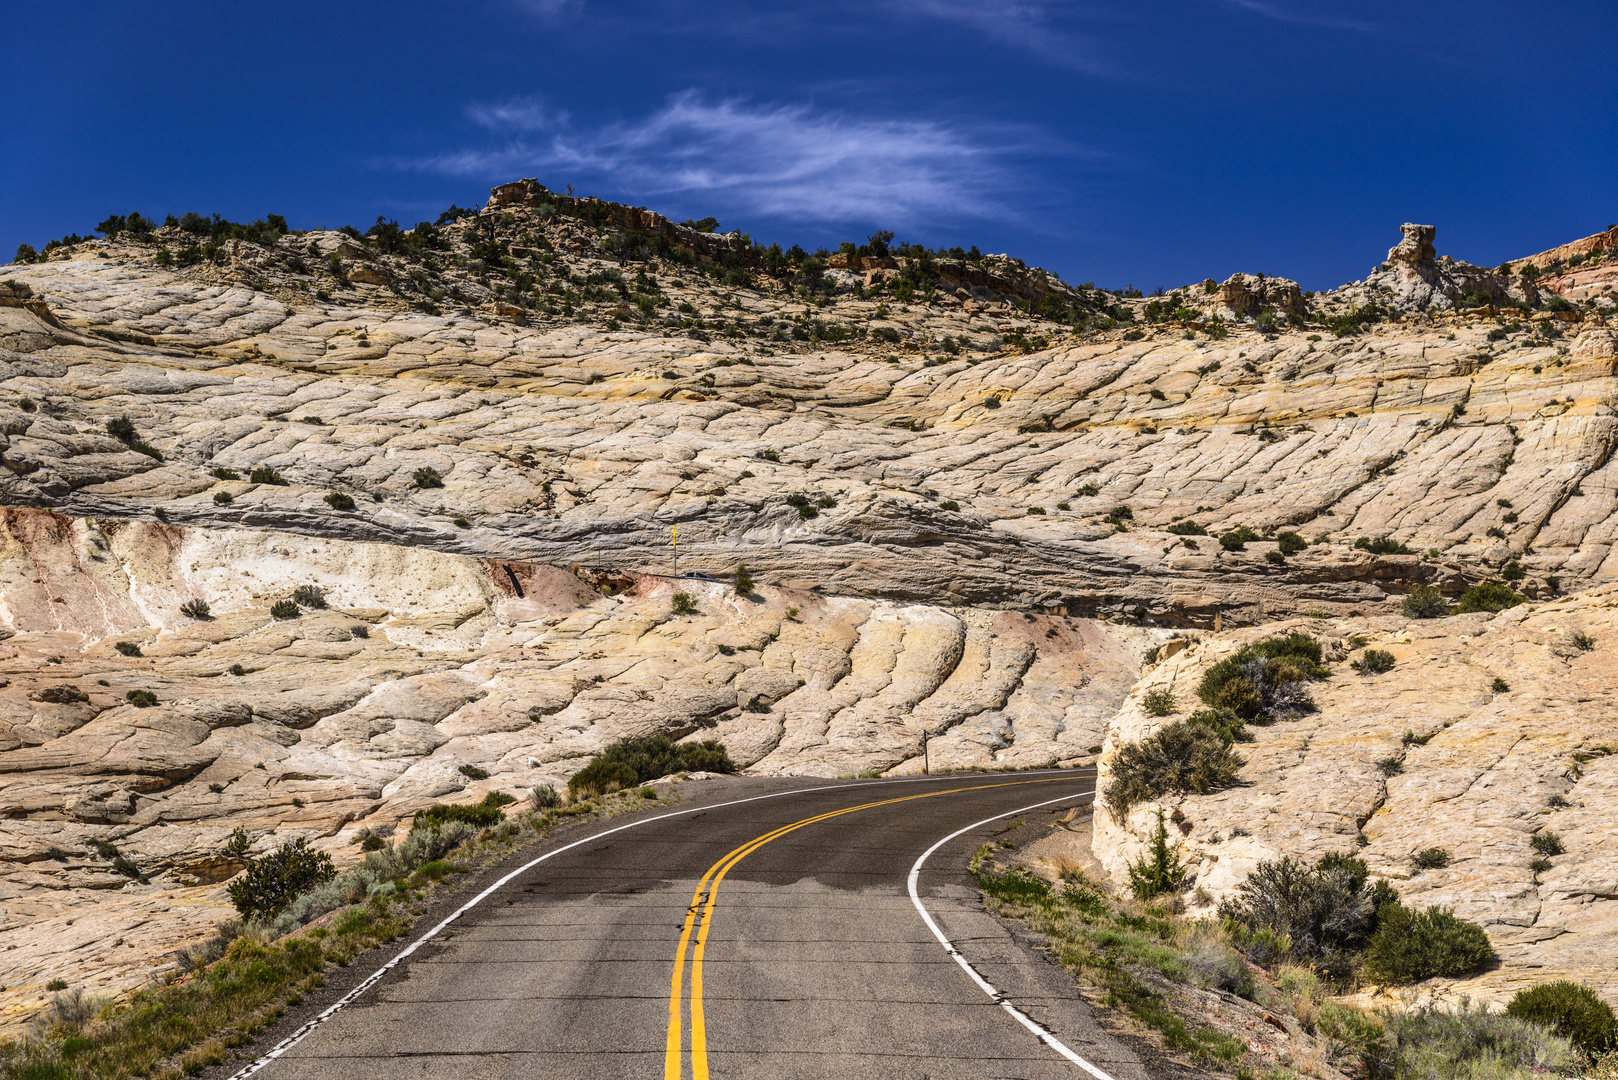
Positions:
{"x": 699, "y": 917}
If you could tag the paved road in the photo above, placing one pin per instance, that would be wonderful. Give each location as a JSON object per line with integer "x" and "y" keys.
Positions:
{"x": 771, "y": 938}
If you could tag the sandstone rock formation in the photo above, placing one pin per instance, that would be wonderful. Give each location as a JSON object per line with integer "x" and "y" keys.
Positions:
{"x": 1428, "y": 755}
{"x": 973, "y": 510}
{"x": 424, "y": 671}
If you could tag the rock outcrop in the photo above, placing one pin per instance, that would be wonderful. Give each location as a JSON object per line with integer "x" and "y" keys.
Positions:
{"x": 969, "y": 519}
{"x": 427, "y": 677}
{"x": 1432, "y": 754}
{"x": 1416, "y": 279}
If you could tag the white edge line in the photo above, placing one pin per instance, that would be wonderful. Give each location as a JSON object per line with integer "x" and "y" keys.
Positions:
{"x": 1021, "y": 1017}
{"x": 310, "y": 1025}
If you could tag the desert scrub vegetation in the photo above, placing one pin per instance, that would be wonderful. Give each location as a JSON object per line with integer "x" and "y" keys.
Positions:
{"x": 631, "y": 762}
{"x": 1349, "y": 929}
{"x": 1572, "y": 1011}
{"x": 1261, "y": 682}
{"x": 1265, "y": 681}
{"x": 1127, "y": 951}
{"x": 238, "y": 982}
{"x": 1190, "y": 757}
{"x": 1186, "y": 977}
{"x": 1425, "y": 603}
{"x": 1488, "y": 596}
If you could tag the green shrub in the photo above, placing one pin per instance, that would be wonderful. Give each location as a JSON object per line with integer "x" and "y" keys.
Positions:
{"x": 1409, "y": 946}
{"x": 1290, "y": 543}
{"x": 1382, "y": 545}
{"x": 1425, "y": 603}
{"x": 478, "y": 815}
{"x": 195, "y": 609}
{"x": 1158, "y": 871}
{"x": 545, "y": 797}
{"x": 263, "y": 474}
{"x": 1183, "y": 758}
{"x": 744, "y": 581}
{"x": 1500, "y": 686}
{"x": 141, "y": 699}
{"x": 473, "y": 772}
{"x": 1581, "y": 641}
{"x": 1469, "y": 1043}
{"x": 1546, "y": 843}
{"x": 1323, "y": 914}
{"x": 1488, "y": 596}
{"x": 427, "y": 477}
{"x": 127, "y": 648}
{"x": 1373, "y": 662}
{"x": 1570, "y": 1010}
{"x": 223, "y": 498}
{"x": 122, "y": 429}
{"x": 635, "y": 761}
{"x": 1158, "y": 702}
{"x": 1186, "y": 528}
{"x": 1265, "y": 680}
{"x": 309, "y": 596}
{"x": 273, "y": 882}
{"x": 337, "y": 500}
{"x": 285, "y": 609}
{"x": 683, "y": 604}
{"x": 1433, "y": 858}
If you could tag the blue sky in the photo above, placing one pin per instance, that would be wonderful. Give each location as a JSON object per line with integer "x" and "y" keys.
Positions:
{"x": 1153, "y": 142}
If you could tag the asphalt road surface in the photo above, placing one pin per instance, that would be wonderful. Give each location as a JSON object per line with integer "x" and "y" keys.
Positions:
{"x": 772, "y": 937}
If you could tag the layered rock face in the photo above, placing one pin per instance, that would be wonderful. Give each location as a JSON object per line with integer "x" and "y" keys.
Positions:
{"x": 424, "y": 672}
{"x": 969, "y": 521}
{"x": 989, "y": 479}
{"x": 1428, "y": 755}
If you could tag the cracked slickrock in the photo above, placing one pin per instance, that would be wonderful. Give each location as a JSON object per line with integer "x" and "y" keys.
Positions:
{"x": 959, "y": 511}
{"x": 356, "y": 715}
{"x": 1479, "y": 772}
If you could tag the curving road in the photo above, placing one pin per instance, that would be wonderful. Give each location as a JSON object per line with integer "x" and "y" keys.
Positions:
{"x": 788, "y": 934}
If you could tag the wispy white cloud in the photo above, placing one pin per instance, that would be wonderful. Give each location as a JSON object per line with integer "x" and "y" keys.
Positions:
{"x": 789, "y": 161}
{"x": 1037, "y": 26}
{"x": 1302, "y": 14}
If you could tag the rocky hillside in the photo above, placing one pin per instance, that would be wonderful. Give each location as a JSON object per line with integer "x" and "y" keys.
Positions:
{"x": 975, "y": 498}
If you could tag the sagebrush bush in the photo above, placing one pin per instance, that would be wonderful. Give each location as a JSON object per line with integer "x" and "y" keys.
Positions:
{"x": 545, "y": 797}
{"x": 1373, "y": 662}
{"x": 1488, "y": 596}
{"x": 1570, "y": 1010}
{"x": 263, "y": 474}
{"x": 634, "y": 761}
{"x": 1183, "y": 758}
{"x": 1410, "y": 946}
{"x": 1468, "y": 1043}
{"x": 1546, "y": 843}
{"x": 285, "y": 609}
{"x": 1264, "y": 680}
{"x": 427, "y": 477}
{"x": 682, "y": 604}
{"x": 1323, "y": 913}
{"x": 1433, "y": 858}
{"x": 274, "y": 881}
{"x": 1426, "y": 603}
{"x": 195, "y": 609}
{"x": 478, "y": 815}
